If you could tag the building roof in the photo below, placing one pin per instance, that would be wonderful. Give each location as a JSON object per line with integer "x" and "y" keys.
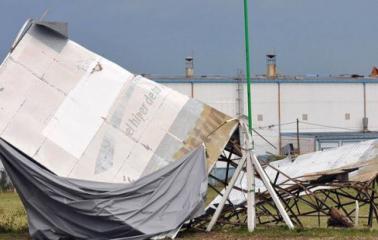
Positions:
{"x": 335, "y": 135}
{"x": 262, "y": 79}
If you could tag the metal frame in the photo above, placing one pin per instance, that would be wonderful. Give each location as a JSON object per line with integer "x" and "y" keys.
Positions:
{"x": 301, "y": 198}
{"x": 249, "y": 162}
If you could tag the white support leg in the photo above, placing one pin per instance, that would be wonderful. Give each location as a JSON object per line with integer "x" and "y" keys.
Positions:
{"x": 246, "y": 146}
{"x": 251, "y": 209}
{"x": 266, "y": 180}
{"x": 229, "y": 187}
{"x": 357, "y": 213}
{"x": 249, "y": 159}
{"x": 271, "y": 191}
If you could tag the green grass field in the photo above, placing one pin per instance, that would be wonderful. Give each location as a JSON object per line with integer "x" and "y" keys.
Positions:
{"x": 14, "y": 236}
{"x": 311, "y": 222}
{"x": 282, "y": 233}
{"x": 13, "y": 226}
{"x": 13, "y": 222}
{"x": 13, "y": 215}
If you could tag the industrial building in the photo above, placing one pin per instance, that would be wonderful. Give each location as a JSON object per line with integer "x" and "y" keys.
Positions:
{"x": 316, "y": 112}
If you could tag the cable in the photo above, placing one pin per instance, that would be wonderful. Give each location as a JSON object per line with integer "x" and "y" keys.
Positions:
{"x": 326, "y": 126}
{"x": 276, "y": 125}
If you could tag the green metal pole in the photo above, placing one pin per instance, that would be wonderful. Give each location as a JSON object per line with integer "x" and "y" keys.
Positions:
{"x": 248, "y": 70}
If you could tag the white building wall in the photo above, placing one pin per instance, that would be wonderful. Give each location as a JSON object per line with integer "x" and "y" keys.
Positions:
{"x": 372, "y": 106}
{"x": 326, "y": 106}
{"x": 184, "y": 88}
{"x": 265, "y": 115}
{"x": 221, "y": 96}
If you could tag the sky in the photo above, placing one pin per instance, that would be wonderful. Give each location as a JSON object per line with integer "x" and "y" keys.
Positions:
{"x": 154, "y": 36}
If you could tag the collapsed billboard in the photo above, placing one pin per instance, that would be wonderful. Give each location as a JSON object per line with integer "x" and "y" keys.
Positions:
{"x": 82, "y": 116}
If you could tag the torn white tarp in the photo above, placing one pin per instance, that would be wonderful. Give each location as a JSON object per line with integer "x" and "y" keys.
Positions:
{"x": 82, "y": 116}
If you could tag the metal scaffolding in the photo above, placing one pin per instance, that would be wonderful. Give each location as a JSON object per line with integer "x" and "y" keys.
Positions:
{"x": 300, "y": 198}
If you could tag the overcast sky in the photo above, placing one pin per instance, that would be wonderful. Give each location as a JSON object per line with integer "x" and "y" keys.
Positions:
{"x": 154, "y": 36}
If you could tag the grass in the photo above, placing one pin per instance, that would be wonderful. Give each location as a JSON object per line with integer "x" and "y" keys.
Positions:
{"x": 14, "y": 236}
{"x": 13, "y": 225}
{"x": 282, "y": 233}
{"x": 13, "y": 215}
{"x": 311, "y": 222}
{"x": 310, "y": 231}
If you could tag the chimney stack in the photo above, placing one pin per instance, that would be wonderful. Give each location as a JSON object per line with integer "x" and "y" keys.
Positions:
{"x": 189, "y": 67}
{"x": 271, "y": 71}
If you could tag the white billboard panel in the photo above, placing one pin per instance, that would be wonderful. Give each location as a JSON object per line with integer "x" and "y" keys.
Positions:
{"x": 84, "y": 117}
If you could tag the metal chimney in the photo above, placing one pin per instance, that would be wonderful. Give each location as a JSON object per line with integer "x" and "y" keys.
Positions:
{"x": 189, "y": 67}
{"x": 271, "y": 70}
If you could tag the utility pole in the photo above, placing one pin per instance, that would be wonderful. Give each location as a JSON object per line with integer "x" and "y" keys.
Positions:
{"x": 247, "y": 61}
{"x": 249, "y": 159}
{"x": 251, "y": 212}
{"x": 248, "y": 155}
{"x": 298, "y": 142}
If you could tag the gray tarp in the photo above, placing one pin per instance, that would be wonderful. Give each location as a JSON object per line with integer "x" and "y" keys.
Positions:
{"x": 64, "y": 208}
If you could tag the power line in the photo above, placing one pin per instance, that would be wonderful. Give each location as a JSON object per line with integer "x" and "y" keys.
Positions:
{"x": 326, "y": 126}
{"x": 276, "y": 125}
{"x": 306, "y": 123}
